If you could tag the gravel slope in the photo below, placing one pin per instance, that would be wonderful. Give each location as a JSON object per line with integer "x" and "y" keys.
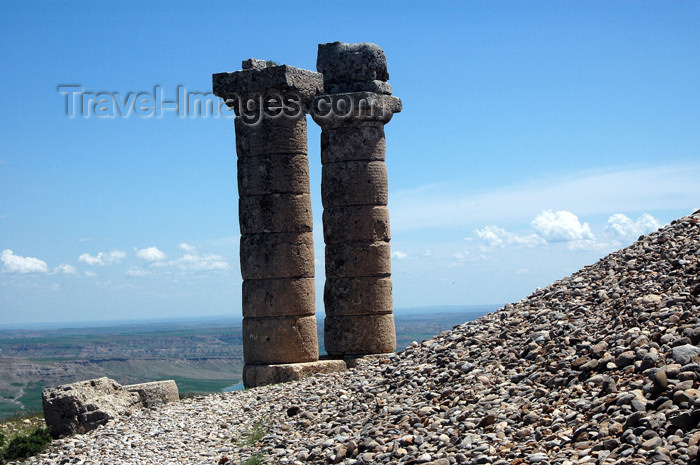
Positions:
{"x": 600, "y": 367}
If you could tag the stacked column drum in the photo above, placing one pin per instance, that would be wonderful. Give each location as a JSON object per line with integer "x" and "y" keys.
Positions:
{"x": 354, "y": 191}
{"x": 276, "y": 223}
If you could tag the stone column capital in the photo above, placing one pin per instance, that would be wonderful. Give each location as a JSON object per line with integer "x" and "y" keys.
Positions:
{"x": 354, "y": 108}
{"x": 278, "y": 90}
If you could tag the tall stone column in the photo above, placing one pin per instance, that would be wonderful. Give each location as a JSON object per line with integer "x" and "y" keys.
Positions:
{"x": 352, "y": 113}
{"x": 280, "y": 340}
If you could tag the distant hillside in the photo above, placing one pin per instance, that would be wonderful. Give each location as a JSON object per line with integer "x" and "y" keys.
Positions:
{"x": 202, "y": 356}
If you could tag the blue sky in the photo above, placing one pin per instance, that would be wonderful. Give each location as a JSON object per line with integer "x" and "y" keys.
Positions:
{"x": 535, "y": 138}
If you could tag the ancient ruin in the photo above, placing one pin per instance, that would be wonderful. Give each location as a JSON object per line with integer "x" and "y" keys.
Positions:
{"x": 271, "y": 102}
{"x": 352, "y": 112}
{"x": 277, "y": 254}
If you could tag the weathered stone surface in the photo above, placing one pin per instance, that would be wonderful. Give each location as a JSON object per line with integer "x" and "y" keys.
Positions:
{"x": 353, "y": 143}
{"x": 269, "y": 341}
{"x": 685, "y": 353}
{"x": 359, "y": 223}
{"x": 354, "y": 183}
{"x": 262, "y": 375}
{"x": 275, "y": 213}
{"x": 273, "y": 174}
{"x": 354, "y": 109}
{"x": 277, "y": 255}
{"x": 271, "y": 136}
{"x": 253, "y": 63}
{"x": 358, "y": 296}
{"x": 342, "y": 63}
{"x": 359, "y": 334}
{"x": 358, "y": 259}
{"x": 284, "y": 79}
{"x": 155, "y": 393}
{"x": 85, "y": 405}
{"x": 279, "y": 297}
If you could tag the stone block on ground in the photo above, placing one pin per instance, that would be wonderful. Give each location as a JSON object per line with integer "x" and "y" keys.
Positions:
{"x": 83, "y": 406}
{"x": 156, "y": 393}
{"x": 261, "y": 375}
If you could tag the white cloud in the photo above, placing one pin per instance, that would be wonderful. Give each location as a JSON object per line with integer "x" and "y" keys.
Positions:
{"x": 196, "y": 262}
{"x": 137, "y": 272}
{"x": 440, "y": 206}
{"x": 186, "y": 247}
{"x": 562, "y": 226}
{"x": 102, "y": 258}
{"x": 151, "y": 254}
{"x": 622, "y": 227}
{"x": 494, "y": 236}
{"x": 90, "y": 274}
{"x": 21, "y": 265}
{"x": 523, "y": 271}
{"x": 397, "y": 254}
{"x": 65, "y": 268}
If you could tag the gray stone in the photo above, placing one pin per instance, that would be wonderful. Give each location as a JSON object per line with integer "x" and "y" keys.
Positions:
{"x": 358, "y": 296}
{"x": 354, "y": 109}
{"x": 271, "y": 136}
{"x": 83, "y": 406}
{"x": 275, "y": 213}
{"x": 284, "y": 79}
{"x": 358, "y": 259}
{"x": 353, "y": 143}
{"x": 341, "y": 63}
{"x": 354, "y": 183}
{"x": 279, "y": 297}
{"x": 273, "y": 174}
{"x": 278, "y": 255}
{"x": 262, "y": 375}
{"x": 156, "y": 393}
{"x": 685, "y": 354}
{"x": 359, "y": 334}
{"x": 280, "y": 340}
{"x": 357, "y": 223}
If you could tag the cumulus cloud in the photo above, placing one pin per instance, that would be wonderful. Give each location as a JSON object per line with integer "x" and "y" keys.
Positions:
{"x": 102, "y": 258}
{"x": 561, "y": 226}
{"x": 397, "y": 254}
{"x": 151, "y": 254}
{"x": 186, "y": 247}
{"x": 64, "y": 268}
{"x": 494, "y": 236}
{"x": 21, "y": 265}
{"x": 622, "y": 227}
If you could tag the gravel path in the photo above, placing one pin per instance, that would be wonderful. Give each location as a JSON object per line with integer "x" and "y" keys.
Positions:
{"x": 601, "y": 367}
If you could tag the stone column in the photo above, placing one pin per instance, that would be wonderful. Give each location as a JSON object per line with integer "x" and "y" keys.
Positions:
{"x": 352, "y": 113}
{"x": 277, "y": 253}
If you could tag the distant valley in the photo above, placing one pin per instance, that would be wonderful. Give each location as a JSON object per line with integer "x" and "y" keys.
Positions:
{"x": 200, "y": 355}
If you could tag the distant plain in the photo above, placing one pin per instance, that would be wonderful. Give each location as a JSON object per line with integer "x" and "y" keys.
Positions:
{"x": 201, "y": 355}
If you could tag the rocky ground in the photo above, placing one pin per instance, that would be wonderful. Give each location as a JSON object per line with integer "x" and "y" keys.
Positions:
{"x": 601, "y": 367}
